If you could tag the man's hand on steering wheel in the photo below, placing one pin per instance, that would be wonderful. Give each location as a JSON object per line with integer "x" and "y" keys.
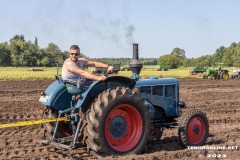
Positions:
{"x": 109, "y": 69}
{"x": 102, "y": 78}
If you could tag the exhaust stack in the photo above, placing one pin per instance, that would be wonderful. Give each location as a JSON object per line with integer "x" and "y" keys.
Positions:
{"x": 135, "y": 65}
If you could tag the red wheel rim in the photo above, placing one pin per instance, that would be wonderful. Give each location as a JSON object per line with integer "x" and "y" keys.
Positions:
{"x": 196, "y": 130}
{"x": 123, "y": 127}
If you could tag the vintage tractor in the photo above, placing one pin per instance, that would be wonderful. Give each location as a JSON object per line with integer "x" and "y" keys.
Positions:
{"x": 216, "y": 74}
{"x": 119, "y": 116}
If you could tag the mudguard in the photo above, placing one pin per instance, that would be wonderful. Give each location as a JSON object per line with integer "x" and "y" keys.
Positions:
{"x": 57, "y": 96}
{"x": 99, "y": 86}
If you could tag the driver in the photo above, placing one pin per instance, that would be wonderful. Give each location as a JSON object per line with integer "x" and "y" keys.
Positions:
{"x": 73, "y": 67}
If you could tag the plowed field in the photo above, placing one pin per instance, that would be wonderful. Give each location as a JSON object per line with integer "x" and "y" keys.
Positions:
{"x": 219, "y": 99}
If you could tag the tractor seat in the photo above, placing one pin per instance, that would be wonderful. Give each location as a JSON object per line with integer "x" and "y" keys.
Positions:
{"x": 73, "y": 89}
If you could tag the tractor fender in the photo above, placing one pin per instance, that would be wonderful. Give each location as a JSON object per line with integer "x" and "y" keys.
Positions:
{"x": 225, "y": 71}
{"x": 116, "y": 81}
{"x": 151, "y": 109}
{"x": 57, "y": 96}
{"x": 99, "y": 86}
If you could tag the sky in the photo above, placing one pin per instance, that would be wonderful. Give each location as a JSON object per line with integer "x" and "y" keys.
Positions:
{"x": 108, "y": 28}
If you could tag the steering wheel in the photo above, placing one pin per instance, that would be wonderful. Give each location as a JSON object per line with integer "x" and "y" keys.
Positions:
{"x": 101, "y": 71}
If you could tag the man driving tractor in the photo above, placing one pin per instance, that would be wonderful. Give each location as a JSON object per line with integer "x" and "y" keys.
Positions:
{"x": 73, "y": 67}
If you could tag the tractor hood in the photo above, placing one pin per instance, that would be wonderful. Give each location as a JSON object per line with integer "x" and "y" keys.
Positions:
{"x": 156, "y": 81}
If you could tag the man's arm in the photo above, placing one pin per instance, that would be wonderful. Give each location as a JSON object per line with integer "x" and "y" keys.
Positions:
{"x": 96, "y": 64}
{"x": 72, "y": 67}
{"x": 100, "y": 65}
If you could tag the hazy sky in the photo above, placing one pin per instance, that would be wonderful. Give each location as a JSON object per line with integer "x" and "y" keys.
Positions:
{"x": 107, "y": 28}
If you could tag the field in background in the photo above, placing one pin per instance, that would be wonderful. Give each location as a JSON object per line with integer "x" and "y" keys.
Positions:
{"x": 25, "y": 73}
{"x": 218, "y": 99}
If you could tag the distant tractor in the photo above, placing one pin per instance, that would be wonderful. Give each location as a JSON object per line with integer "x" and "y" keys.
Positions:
{"x": 162, "y": 68}
{"x": 196, "y": 70}
{"x": 216, "y": 74}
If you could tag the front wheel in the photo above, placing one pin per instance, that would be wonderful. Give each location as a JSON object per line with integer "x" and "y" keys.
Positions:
{"x": 213, "y": 77}
{"x": 194, "y": 128}
{"x": 117, "y": 124}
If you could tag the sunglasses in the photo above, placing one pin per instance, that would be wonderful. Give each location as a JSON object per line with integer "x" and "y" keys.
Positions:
{"x": 76, "y": 54}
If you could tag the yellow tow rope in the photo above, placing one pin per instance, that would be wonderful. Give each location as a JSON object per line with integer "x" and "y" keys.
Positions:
{"x": 33, "y": 122}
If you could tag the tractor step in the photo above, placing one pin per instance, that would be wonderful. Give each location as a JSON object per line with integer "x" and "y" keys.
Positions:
{"x": 65, "y": 139}
{"x": 59, "y": 140}
{"x": 60, "y": 145}
{"x": 56, "y": 145}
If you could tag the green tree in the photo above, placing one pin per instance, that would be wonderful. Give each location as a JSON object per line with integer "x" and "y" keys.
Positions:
{"x": 178, "y": 52}
{"x": 170, "y": 60}
{"x": 236, "y": 57}
{"x": 53, "y": 53}
{"x": 5, "y": 59}
{"x": 39, "y": 62}
{"x": 45, "y": 61}
{"x": 36, "y": 41}
{"x": 17, "y": 46}
{"x": 219, "y": 54}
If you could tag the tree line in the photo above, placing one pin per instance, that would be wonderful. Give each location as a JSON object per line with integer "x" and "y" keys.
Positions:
{"x": 230, "y": 56}
{"x": 21, "y": 53}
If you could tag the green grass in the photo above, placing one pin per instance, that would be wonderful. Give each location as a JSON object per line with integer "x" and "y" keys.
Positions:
{"x": 26, "y": 73}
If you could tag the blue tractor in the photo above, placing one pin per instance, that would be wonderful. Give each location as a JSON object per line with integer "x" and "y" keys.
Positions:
{"x": 119, "y": 116}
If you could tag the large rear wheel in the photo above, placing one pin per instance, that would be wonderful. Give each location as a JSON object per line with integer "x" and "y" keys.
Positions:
{"x": 224, "y": 75}
{"x": 194, "y": 128}
{"x": 117, "y": 124}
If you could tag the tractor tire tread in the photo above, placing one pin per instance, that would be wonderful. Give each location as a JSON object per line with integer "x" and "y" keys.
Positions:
{"x": 183, "y": 127}
{"x": 92, "y": 135}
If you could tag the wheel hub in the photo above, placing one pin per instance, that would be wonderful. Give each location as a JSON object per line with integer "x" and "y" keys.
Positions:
{"x": 196, "y": 130}
{"x": 118, "y": 126}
